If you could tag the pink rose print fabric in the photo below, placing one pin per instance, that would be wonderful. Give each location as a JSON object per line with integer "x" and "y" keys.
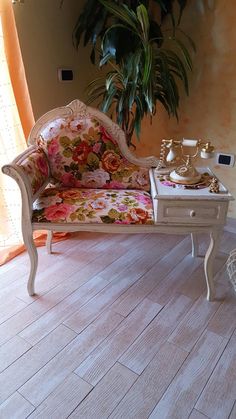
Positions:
{"x": 82, "y": 154}
{"x": 74, "y": 205}
{"x": 36, "y": 168}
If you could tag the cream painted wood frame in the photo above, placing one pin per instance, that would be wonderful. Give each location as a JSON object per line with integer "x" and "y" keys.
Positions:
{"x": 171, "y": 225}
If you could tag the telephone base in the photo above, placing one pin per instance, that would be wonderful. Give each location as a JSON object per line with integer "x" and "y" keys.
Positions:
{"x": 189, "y": 176}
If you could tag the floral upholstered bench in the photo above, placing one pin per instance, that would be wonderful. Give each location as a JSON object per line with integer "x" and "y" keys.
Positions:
{"x": 78, "y": 174}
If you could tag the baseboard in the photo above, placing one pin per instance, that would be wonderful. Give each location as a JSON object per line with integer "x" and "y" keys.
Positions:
{"x": 230, "y": 225}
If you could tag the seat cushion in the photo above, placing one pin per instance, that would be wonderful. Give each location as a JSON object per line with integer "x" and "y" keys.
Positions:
{"x": 82, "y": 154}
{"x": 73, "y": 205}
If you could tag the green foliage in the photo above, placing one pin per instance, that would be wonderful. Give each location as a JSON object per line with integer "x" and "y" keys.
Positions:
{"x": 95, "y": 19}
{"x": 145, "y": 62}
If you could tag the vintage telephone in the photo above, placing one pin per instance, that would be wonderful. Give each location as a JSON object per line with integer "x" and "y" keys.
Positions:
{"x": 186, "y": 150}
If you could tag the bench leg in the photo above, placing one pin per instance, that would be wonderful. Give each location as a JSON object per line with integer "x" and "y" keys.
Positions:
{"x": 194, "y": 240}
{"x": 33, "y": 255}
{"x": 49, "y": 241}
{"x": 208, "y": 263}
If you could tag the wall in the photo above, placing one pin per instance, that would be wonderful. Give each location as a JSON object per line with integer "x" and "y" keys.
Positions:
{"x": 45, "y": 34}
{"x": 210, "y": 110}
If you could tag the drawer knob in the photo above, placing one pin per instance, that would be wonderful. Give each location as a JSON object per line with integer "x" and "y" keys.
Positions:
{"x": 192, "y": 213}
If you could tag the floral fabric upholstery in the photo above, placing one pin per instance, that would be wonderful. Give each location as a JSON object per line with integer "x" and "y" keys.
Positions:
{"x": 64, "y": 205}
{"x": 36, "y": 168}
{"x": 82, "y": 154}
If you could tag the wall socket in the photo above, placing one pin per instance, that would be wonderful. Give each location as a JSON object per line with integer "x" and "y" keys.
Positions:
{"x": 224, "y": 159}
{"x": 65, "y": 74}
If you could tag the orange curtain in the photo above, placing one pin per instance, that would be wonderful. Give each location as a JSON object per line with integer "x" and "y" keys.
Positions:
{"x": 16, "y": 66}
{"x": 16, "y": 121}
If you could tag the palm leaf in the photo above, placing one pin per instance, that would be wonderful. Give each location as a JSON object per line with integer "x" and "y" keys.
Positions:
{"x": 120, "y": 12}
{"x": 143, "y": 18}
{"x": 148, "y": 57}
{"x": 182, "y": 4}
{"x": 108, "y": 99}
{"x": 143, "y": 71}
{"x": 105, "y": 58}
{"x": 185, "y": 53}
{"x": 176, "y": 64}
{"x": 189, "y": 39}
{"x": 114, "y": 41}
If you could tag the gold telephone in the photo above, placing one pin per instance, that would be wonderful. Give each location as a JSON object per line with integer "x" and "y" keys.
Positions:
{"x": 186, "y": 150}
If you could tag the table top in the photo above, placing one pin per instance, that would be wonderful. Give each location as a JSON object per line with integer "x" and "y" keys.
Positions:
{"x": 167, "y": 190}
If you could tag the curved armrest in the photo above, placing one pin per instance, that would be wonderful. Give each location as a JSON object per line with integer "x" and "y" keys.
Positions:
{"x": 30, "y": 170}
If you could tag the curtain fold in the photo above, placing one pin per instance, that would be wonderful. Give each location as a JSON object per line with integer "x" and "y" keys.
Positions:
{"x": 15, "y": 66}
{"x": 16, "y": 121}
{"x": 12, "y": 138}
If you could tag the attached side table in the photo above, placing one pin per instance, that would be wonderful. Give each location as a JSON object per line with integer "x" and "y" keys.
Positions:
{"x": 178, "y": 210}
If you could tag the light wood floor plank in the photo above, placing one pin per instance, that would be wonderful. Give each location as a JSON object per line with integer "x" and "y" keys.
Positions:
{"x": 171, "y": 257}
{"x": 137, "y": 258}
{"x": 128, "y": 240}
{"x": 84, "y": 316}
{"x": 233, "y": 412}
{"x": 195, "y": 414}
{"x": 63, "y": 256}
{"x": 224, "y": 320}
{"x": 10, "y": 275}
{"x": 90, "y": 311}
{"x": 63, "y": 400}
{"x": 25, "y": 367}
{"x": 80, "y": 265}
{"x": 16, "y": 324}
{"x": 74, "y": 281}
{"x": 133, "y": 269}
{"x": 10, "y": 307}
{"x": 11, "y": 351}
{"x": 182, "y": 394}
{"x": 219, "y": 395}
{"x": 51, "y": 375}
{"x": 171, "y": 284}
{"x": 107, "y": 394}
{"x": 57, "y": 272}
{"x": 149, "y": 387}
{"x": 52, "y": 318}
{"x": 16, "y": 407}
{"x": 193, "y": 324}
{"x": 108, "y": 352}
{"x": 227, "y": 242}
{"x": 140, "y": 353}
{"x": 13, "y": 288}
{"x": 195, "y": 285}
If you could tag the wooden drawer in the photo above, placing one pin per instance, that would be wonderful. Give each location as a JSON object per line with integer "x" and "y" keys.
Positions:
{"x": 190, "y": 212}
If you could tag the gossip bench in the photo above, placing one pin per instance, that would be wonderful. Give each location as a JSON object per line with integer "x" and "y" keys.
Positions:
{"x": 78, "y": 174}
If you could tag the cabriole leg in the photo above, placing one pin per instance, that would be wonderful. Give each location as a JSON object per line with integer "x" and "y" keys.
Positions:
{"x": 49, "y": 241}
{"x": 194, "y": 240}
{"x": 33, "y": 255}
{"x": 208, "y": 264}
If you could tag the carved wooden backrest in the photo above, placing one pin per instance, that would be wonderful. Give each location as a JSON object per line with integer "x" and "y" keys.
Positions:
{"x": 86, "y": 149}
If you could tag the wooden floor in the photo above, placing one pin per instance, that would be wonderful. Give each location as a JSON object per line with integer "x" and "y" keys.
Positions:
{"x": 120, "y": 328}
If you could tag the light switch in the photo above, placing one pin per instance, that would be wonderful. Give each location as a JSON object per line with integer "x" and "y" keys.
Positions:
{"x": 224, "y": 159}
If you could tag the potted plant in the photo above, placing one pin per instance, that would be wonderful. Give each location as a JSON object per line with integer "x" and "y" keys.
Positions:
{"x": 145, "y": 61}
